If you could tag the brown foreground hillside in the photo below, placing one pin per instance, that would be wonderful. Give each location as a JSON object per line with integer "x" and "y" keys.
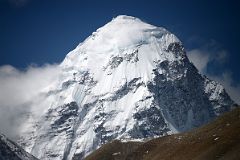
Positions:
{"x": 219, "y": 139}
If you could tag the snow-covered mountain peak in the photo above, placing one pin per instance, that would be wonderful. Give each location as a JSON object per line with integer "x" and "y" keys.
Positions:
{"x": 128, "y": 80}
{"x": 126, "y": 17}
{"x": 122, "y": 33}
{"x": 127, "y": 47}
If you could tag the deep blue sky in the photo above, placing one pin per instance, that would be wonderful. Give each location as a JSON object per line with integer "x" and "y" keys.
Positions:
{"x": 44, "y": 31}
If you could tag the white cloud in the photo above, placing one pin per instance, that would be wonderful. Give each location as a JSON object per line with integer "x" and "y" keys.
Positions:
{"x": 202, "y": 58}
{"x": 199, "y": 58}
{"x": 18, "y": 89}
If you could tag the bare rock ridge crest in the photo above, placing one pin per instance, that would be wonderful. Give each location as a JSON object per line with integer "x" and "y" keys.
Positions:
{"x": 129, "y": 80}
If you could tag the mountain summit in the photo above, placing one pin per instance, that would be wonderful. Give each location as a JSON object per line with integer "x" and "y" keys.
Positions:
{"x": 129, "y": 80}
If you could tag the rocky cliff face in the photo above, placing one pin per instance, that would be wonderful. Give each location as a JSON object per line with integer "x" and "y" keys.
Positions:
{"x": 129, "y": 80}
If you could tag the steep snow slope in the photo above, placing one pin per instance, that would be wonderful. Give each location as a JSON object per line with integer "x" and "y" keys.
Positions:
{"x": 129, "y": 80}
{"x": 11, "y": 151}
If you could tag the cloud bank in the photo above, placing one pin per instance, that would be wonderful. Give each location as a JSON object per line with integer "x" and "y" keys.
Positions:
{"x": 209, "y": 55}
{"x": 17, "y": 91}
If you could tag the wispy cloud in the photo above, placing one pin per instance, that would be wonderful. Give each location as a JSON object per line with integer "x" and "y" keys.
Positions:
{"x": 211, "y": 54}
{"x": 200, "y": 59}
{"x": 18, "y": 91}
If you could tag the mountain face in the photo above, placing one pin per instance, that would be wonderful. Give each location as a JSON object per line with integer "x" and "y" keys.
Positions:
{"x": 11, "y": 151}
{"x": 129, "y": 80}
